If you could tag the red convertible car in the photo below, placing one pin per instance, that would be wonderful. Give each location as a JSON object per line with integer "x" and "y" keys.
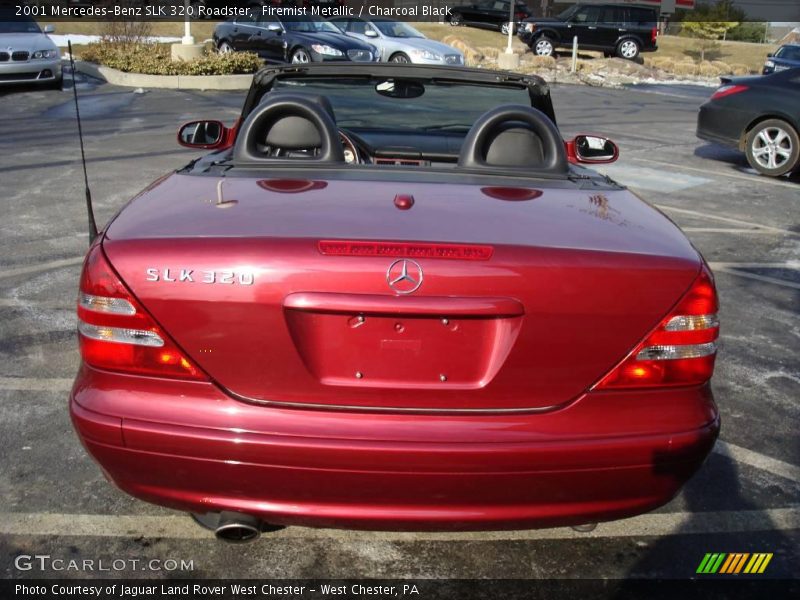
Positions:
{"x": 391, "y": 297}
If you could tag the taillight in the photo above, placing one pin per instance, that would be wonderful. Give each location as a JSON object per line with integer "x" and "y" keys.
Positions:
{"x": 681, "y": 350}
{"x": 117, "y": 333}
{"x": 728, "y": 90}
{"x": 519, "y": 16}
{"x": 654, "y": 35}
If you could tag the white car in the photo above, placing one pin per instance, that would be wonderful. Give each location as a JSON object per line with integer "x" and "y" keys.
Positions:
{"x": 399, "y": 42}
{"x": 27, "y": 55}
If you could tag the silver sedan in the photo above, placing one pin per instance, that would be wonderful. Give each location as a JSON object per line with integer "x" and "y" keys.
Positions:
{"x": 27, "y": 55}
{"x": 399, "y": 42}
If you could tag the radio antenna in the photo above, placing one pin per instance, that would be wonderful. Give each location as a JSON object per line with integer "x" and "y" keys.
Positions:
{"x": 89, "y": 209}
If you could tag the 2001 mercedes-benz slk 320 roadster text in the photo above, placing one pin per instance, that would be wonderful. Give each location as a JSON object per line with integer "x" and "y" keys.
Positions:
{"x": 392, "y": 298}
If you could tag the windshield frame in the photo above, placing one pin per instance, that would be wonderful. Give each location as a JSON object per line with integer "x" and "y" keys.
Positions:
{"x": 444, "y": 105}
{"x": 537, "y": 88}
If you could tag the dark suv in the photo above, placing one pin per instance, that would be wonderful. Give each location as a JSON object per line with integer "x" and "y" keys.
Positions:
{"x": 489, "y": 14}
{"x": 786, "y": 57}
{"x": 616, "y": 29}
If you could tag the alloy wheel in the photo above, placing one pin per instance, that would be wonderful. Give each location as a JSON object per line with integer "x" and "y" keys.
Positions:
{"x": 543, "y": 47}
{"x": 629, "y": 49}
{"x": 400, "y": 58}
{"x": 300, "y": 56}
{"x": 772, "y": 148}
{"x": 225, "y": 48}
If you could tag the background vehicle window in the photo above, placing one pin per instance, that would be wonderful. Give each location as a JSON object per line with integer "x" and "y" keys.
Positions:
{"x": 612, "y": 14}
{"x": 397, "y": 29}
{"x": 342, "y": 23}
{"x": 265, "y": 21}
{"x": 567, "y": 14}
{"x": 358, "y": 26}
{"x": 788, "y": 52}
{"x": 641, "y": 16}
{"x": 590, "y": 14}
{"x": 500, "y": 5}
{"x": 247, "y": 19}
{"x": 309, "y": 24}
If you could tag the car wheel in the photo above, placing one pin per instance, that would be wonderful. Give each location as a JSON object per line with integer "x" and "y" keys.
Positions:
{"x": 300, "y": 57}
{"x": 504, "y": 29}
{"x": 773, "y": 148}
{"x": 224, "y": 47}
{"x": 628, "y": 49}
{"x": 399, "y": 57}
{"x": 543, "y": 46}
{"x": 455, "y": 20}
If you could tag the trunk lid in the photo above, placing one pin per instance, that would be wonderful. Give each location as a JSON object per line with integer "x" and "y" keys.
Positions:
{"x": 278, "y": 299}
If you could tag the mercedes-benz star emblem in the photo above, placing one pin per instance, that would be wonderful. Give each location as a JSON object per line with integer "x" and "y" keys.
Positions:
{"x": 404, "y": 276}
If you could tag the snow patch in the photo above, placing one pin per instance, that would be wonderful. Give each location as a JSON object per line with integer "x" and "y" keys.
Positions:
{"x": 60, "y": 40}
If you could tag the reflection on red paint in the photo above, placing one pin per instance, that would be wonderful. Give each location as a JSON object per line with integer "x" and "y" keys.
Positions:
{"x": 511, "y": 194}
{"x": 291, "y": 186}
{"x": 404, "y": 201}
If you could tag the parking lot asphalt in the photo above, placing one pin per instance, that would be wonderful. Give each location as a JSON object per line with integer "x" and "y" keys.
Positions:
{"x": 54, "y": 500}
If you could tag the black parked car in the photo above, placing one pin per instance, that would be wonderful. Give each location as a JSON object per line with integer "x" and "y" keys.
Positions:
{"x": 489, "y": 14}
{"x": 785, "y": 57}
{"x": 759, "y": 116}
{"x": 295, "y": 39}
{"x": 616, "y": 29}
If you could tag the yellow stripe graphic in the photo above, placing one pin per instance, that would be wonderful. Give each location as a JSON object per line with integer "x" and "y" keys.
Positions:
{"x": 765, "y": 563}
{"x": 753, "y": 564}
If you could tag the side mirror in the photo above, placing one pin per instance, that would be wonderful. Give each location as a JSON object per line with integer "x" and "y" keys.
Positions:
{"x": 48, "y": 29}
{"x": 770, "y": 55}
{"x": 202, "y": 134}
{"x": 275, "y": 28}
{"x": 592, "y": 149}
{"x": 370, "y": 33}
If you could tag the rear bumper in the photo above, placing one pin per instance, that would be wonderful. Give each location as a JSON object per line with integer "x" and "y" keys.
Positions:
{"x": 191, "y": 447}
{"x": 720, "y": 125}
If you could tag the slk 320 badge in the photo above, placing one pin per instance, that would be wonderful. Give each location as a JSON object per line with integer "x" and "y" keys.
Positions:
{"x": 192, "y": 276}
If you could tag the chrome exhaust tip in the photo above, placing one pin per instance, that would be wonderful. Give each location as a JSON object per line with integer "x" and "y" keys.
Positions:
{"x": 237, "y": 528}
{"x": 586, "y": 528}
{"x": 234, "y": 527}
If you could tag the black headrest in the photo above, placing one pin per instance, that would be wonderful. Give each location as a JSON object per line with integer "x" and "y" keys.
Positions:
{"x": 289, "y": 121}
{"x": 514, "y": 137}
{"x": 323, "y": 101}
{"x": 515, "y": 145}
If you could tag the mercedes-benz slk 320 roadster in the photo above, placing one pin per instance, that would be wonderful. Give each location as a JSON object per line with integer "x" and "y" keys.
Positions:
{"x": 391, "y": 297}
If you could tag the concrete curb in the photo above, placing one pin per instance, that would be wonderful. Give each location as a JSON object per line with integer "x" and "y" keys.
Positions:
{"x": 175, "y": 82}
